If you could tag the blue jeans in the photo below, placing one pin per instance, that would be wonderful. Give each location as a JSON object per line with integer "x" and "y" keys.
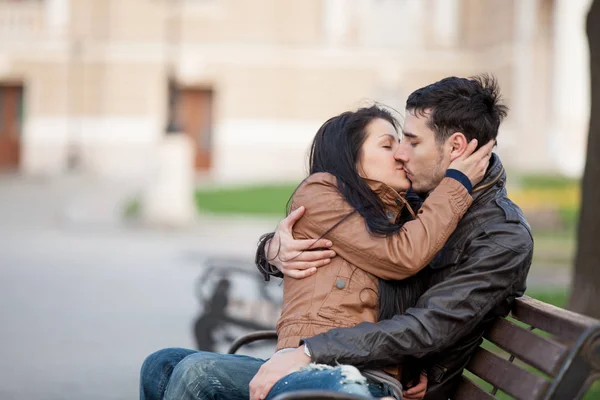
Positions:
{"x": 196, "y": 375}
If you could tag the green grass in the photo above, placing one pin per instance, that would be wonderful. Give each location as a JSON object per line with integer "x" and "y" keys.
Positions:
{"x": 261, "y": 200}
{"x": 270, "y": 199}
{"x": 556, "y": 297}
{"x": 556, "y": 248}
{"x": 570, "y": 217}
{"x": 547, "y": 181}
{"x": 555, "y": 197}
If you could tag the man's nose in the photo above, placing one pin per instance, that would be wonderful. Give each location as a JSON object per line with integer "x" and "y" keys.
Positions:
{"x": 401, "y": 154}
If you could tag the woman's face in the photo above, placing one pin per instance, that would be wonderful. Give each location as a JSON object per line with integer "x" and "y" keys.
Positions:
{"x": 377, "y": 160}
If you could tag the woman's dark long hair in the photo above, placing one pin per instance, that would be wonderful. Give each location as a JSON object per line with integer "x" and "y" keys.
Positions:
{"x": 336, "y": 149}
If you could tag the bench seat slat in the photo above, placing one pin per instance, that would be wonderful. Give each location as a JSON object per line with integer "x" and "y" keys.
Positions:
{"x": 539, "y": 352}
{"x": 564, "y": 324}
{"x": 467, "y": 390}
{"x": 506, "y": 376}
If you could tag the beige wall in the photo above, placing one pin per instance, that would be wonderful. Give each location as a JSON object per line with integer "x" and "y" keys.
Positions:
{"x": 97, "y": 80}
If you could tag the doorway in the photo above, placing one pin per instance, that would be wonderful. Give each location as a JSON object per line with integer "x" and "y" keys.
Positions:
{"x": 11, "y": 122}
{"x": 195, "y": 116}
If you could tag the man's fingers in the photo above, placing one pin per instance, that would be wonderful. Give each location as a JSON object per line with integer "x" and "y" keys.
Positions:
{"x": 300, "y": 250}
{"x": 254, "y": 390}
{"x": 296, "y": 274}
{"x": 259, "y": 393}
{"x": 308, "y": 244}
{"x": 300, "y": 270}
{"x": 265, "y": 390}
{"x": 289, "y": 221}
{"x": 310, "y": 256}
{"x": 413, "y": 396}
{"x": 416, "y": 390}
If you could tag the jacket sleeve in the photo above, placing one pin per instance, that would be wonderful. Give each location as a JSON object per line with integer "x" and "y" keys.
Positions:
{"x": 493, "y": 272}
{"x": 396, "y": 256}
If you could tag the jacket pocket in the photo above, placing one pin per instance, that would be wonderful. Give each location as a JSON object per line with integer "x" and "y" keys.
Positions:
{"x": 352, "y": 298}
{"x": 333, "y": 307}
{"x": 339, "y": 320}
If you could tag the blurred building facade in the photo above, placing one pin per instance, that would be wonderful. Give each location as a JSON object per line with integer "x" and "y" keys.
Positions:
{"x": 85, "y": 83}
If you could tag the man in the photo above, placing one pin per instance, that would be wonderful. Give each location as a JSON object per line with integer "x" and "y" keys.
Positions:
{"x": 474, "y": 279}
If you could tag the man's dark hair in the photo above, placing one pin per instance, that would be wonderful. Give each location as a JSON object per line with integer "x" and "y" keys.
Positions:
{"x": 472, "y": 106}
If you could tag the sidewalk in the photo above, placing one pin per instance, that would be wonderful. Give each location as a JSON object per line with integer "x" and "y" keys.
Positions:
{"x": 85, "y": 297}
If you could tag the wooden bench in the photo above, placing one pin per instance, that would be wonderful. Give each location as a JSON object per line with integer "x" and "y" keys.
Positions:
{"x": 540, "y": 352}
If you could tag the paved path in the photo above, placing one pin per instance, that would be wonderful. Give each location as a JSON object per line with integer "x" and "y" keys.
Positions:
{"x": 83, "y": 301}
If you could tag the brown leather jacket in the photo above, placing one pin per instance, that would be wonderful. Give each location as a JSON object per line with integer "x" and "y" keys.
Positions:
{"x": 344, "y": 292}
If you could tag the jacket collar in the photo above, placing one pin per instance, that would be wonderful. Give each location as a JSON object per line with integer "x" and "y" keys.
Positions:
{"x": 387, "y": 194}
{"x": 394, "y": 201}
{"x": 494, "y": 176}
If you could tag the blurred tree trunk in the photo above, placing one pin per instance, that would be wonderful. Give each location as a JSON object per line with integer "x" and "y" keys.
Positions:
{"x": 585, "y": 291}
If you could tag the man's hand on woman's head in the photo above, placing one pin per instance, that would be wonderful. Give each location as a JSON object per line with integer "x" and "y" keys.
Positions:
{"x": 297, "y": 258}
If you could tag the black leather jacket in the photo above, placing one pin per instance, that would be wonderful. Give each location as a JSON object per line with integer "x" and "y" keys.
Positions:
{"x": 474, "y": 279}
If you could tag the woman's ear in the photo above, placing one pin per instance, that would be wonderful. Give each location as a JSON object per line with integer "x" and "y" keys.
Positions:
{"x": 457, "y": 144}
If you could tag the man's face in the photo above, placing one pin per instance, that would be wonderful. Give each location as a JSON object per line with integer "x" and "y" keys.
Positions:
{"x": 424, "y": 159}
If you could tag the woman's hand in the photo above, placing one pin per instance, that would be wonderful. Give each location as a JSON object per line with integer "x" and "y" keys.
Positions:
{"x": 416, "y": 392}
{"x": 297, "y": 258}
{"x": 474, "y": 163}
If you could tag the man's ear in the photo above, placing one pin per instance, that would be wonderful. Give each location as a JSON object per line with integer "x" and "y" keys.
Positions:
{"x": 457, "y": 144}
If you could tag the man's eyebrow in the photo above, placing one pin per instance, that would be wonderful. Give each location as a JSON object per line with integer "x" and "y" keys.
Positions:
{"x": 409, "y": 135}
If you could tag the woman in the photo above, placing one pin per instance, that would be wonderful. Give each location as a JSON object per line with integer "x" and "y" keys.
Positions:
{"x": 355, "y": 196}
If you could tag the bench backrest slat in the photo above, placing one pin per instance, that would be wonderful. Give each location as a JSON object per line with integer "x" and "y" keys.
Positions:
{"x": 507, "y": 376}
{"x": 467, "y": 390}
{"x": 540, "y": 352}
{"x": 566, "y": 325}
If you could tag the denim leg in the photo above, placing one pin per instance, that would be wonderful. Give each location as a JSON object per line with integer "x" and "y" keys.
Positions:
{"x": 212, "y": 376}
{"x": 341, "y": 379}
{"x": 156, "y": 371}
